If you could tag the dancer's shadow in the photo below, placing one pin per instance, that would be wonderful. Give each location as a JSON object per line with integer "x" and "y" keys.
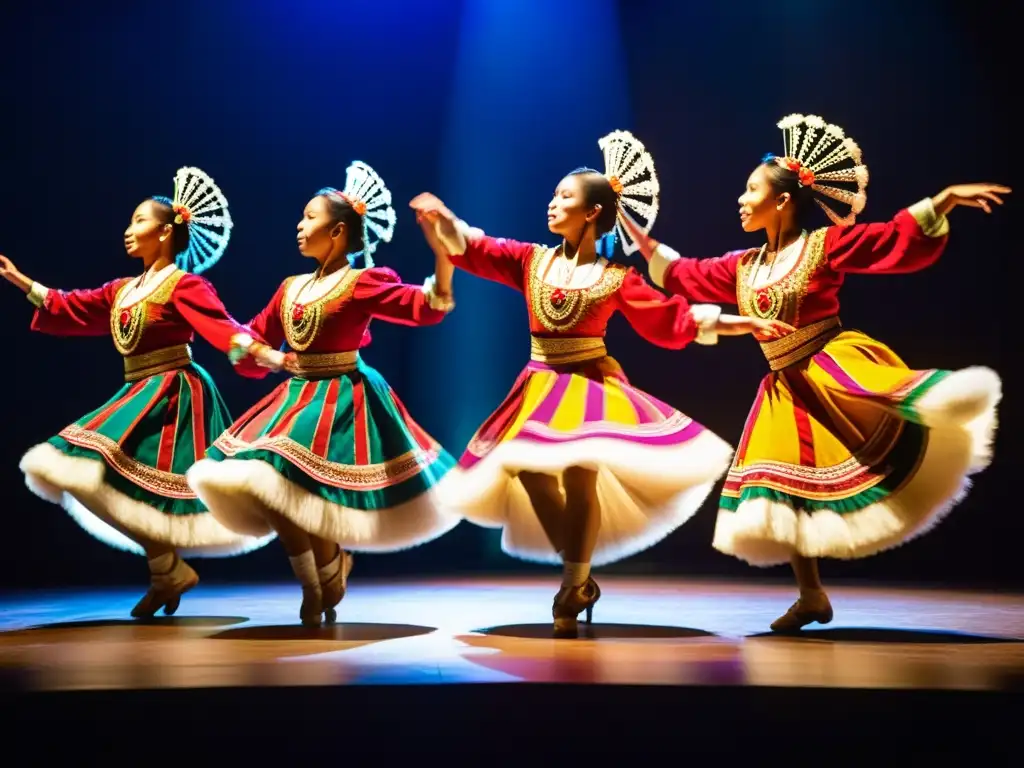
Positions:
{"x": 597, "y": 632}
{"x": 884, "y": 635}
{"x": 341, "y": 632}
{"x": 186, "y": 622}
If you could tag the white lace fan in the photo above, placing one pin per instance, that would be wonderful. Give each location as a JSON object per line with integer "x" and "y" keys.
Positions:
{"x": 199, "y": 202}
{"x": 630, "y": 169}
{"x": 826, "y": 152}
{"x": 365, "y": 191}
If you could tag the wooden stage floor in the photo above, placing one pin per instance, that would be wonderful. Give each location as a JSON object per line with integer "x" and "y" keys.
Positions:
{"x": 652, "y": 641}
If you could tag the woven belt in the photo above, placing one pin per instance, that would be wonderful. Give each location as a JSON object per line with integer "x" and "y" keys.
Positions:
{"x": 158, "y": 361}
{"x": 324, "y": 366}
{"x": 565, "y": 350}
{"x": 801, "y": 344}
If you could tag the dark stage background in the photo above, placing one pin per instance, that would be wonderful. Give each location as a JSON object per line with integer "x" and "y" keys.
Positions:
{"x": 489, "y": 103}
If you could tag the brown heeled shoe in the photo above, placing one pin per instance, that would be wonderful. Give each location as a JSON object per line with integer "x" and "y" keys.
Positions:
{"x": 312, "y": 608}
{"x": 335, "y": 587}
{"x": 569, "y": 603}
{"x": 165, "y": 590}
{"x": 800, "y": 614}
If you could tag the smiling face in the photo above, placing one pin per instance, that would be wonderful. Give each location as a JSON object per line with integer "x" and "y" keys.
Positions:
{"x": 759, "y": 203}
{"x": 319, "y": 234}
{"x": 147, "y": 232}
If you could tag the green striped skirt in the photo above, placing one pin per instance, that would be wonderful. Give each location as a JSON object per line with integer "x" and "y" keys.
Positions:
{"x": 120, "y": 470}
{"x": 340, "y": 457}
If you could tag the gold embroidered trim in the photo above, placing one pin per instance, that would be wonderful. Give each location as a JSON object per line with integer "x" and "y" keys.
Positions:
{"x": 565, "y": 350}
{"x": 158, "y": 361}
{"x": 302, "y": 322}
{"x": 127, "y": 335}
{"x": 324, "y": 366}
{"x": 801, "y": 344}
{"x": 782, "y": 299}
{"x": 153, "y": 480}
{"x": 359, "y": 477}
{"x": 561, "y": 309}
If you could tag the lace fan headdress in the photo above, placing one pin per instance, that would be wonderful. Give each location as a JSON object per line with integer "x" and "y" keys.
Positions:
{"x": 821, "y": 152}
{"x": 371, "y": 199}
{"x": 199, "y": 204}
{"x": 629, "y": 168}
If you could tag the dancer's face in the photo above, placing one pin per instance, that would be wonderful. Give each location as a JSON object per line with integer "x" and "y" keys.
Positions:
{"x": 759, "y": 204}
{"x": 568, "y": 212}
{"x": 319, "y": 234}
{"x": 146, "y": 233}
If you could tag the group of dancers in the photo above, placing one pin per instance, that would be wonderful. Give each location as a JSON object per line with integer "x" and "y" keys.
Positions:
{"x": 846, "y": 451}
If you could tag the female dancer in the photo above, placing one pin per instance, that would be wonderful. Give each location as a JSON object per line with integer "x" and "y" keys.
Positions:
{"x": 331, "y": 457}
{"x": 847, "y": 452}
{"x": 576, "y": 464}
{"x": 120, "y": 470}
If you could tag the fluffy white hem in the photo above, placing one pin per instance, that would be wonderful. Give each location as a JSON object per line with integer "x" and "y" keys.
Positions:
{"x": 763, "y": 532}
{"x": 235, "y": 490}
{"x": 77, "y": 484}
{"x": 644, "y": 492}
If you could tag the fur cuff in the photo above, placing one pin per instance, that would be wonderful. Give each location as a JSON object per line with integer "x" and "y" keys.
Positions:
{"x": 930, "y": 222}
{"x": 435, "y": 300}
{"x": 706, "y": 316}
{"x": 37, "y": 294}
{"x": 660, "y": 261}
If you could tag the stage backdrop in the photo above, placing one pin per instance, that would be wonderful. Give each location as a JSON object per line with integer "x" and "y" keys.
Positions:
{"x": 488, "y": 103}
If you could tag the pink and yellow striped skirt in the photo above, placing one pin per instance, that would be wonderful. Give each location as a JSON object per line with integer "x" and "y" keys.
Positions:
{"x": 655, "y": 465}
{"x": 849, "y": 452}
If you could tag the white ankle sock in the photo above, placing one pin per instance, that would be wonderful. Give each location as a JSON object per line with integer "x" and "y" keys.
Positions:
{"x": 304, "y": 566}
{"x": 574, "y": 574}
{"x": 161, "y": 564}
{"x": 330, "y": 570}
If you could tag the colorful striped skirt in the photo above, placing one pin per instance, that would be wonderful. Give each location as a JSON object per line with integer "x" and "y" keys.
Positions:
{"x": 120, "y": 470}
{"x": 850, "y": 452}
{"x": 340, "y": 457}
{"x": 655, "y": 465}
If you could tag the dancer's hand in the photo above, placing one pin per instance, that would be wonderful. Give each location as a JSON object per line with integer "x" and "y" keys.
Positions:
{"x": 429, "y": 207}
{"x": 770, "y": 329}
{"x": 737, "y": 325}
{"x": 646, "y": 242}
{"x": 291, "y": 363}
{"x": 11, "y": 274}
{"x": 267, "y": 357}
{"x": 971, "y": 195}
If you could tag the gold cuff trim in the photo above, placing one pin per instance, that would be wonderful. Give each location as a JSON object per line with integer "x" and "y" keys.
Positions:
{"x": 158, "y": 361}
{"x": 801, "y": 344}
{"x": 37, "y": 294}
{"x": 566, "y": 349}
{"x": 324, "y": 366}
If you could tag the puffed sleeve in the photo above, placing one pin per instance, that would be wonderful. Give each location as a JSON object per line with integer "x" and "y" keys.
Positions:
{"x": 495, "y": 258}
{"x": 912, "y": 241}
{"x": 73, "y": 313}
{"x": 666, "y": 321}
{"x": 696, "y": 279}
{"x": 198, "y": 303}
{"x": 380, "y": 293}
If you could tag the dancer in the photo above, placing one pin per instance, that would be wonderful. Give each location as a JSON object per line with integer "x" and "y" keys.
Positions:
{"x": 847, "y": 451}
{"x": 331, "y": 460}
{"x": 120, "y": 470}
{"x": 577, "y": 465}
